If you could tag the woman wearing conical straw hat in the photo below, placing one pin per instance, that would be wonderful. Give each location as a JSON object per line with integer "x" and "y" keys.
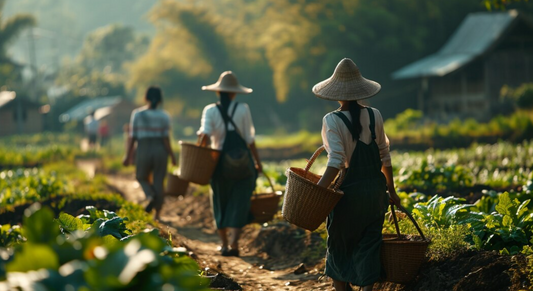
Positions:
{"x": 355, "y": 140}
{"x": 228, "y": 126}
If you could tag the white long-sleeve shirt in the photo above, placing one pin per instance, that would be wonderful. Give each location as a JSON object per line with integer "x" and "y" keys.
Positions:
{"x": 339, "y": 143}
{"x": 212, "y": 123}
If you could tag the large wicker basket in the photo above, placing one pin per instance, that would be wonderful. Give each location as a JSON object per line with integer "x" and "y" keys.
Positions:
{"x": 265, "y": 205}
{"x": 403, "y": 255}
{"x": 306, "y": 204}
{"x": 197, "y": 163}
{"x": 176, "y": 186}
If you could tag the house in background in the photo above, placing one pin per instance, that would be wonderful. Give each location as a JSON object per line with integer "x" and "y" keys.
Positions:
{"x": 18, "y": 115}
{"x": 115, "y": 110}
{"x": 464, "y": 78}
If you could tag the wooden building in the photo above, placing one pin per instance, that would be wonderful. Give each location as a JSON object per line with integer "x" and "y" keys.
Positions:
{"x": 464, "y": 78}
{"x": 18, "y": 115}
{"x": 114, "y": 110}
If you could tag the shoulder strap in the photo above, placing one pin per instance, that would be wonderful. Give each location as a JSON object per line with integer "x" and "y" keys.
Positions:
{"x": 346, "y": 122}
{"x": 230, "y": 119}
{"x": 224, "y": 115}
{"x": 372, "y": 125}
{"x": 234, "y": 109}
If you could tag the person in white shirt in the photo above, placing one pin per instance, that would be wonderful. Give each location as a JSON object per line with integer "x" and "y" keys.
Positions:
{"x": 228, "y": 126}
{"x": 91, "y": 128}
{"x": 356, "y": 143}
{"x": 150, "y": 129}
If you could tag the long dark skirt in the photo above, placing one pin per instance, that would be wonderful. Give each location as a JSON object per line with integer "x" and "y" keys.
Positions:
{"x": 231, "y": 200}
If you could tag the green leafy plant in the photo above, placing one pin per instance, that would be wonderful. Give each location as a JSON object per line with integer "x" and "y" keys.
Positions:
{"x": 86, "y": 260}
{"x": 102, "y": 222}
{"x": 506, "y": 229}
{"x": 435, "y": 179}
{"x": 445, "y": 241}
{"x": 442, "y": 212}
{"x": 10, "y": 235}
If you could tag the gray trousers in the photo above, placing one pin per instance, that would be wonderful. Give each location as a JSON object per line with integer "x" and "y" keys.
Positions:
{"x": 151, "y": 158}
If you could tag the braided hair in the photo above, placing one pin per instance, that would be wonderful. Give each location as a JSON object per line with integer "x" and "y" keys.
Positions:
{"x": 355, "y": 112}
{"x": 154, "y": 96}
{"x": 225, "y": 100}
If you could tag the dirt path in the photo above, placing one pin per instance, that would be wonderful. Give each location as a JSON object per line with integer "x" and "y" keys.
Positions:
{"x": 189, "y": 220}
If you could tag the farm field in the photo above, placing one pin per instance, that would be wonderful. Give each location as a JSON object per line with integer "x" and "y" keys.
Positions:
{"x": 474, "y": 204}
{"x": 87, "y": 87}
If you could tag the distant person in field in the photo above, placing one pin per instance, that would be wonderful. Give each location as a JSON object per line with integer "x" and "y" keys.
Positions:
{"x": 354, "y": 138}
{"x": 228, "y": 126}
{"x": 150, "y": 129}
{"x": 91, "y": 129}
{"x": 103, "y": 131}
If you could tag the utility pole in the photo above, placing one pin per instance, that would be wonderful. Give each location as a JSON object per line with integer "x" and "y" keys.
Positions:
{"x": 33, "y": 64}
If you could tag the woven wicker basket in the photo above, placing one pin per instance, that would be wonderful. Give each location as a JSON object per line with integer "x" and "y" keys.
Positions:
{"x": 306, "y": 204}
{"x": 176, "y": 186}
{"x": 402, "y": 257}
{"x": 265, "y": 205}
{"x": 197, "y": 163}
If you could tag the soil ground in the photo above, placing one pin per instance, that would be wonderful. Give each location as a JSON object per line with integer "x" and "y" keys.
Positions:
{"x": 272, "y": 255}
{"x": 265, "y": 262}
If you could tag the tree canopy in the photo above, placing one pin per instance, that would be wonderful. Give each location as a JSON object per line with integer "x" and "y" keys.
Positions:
{"x": 100, "y": 67}
{"x": 282, "y": 48}
{"x": 10, "y": 28}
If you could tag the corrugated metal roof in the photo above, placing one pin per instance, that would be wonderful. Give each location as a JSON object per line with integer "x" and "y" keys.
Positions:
{"x": 82, "y": 109}
{"x": 474, "y": 37}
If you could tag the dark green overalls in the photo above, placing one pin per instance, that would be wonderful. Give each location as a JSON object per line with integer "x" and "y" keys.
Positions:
{"x": 355, "y": 224}
{"x": 231, "y": 198}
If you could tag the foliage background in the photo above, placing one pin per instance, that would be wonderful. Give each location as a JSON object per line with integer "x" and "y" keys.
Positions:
{"x": 279, "y": 48}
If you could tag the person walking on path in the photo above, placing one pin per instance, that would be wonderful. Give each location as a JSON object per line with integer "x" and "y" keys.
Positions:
{"x": 356, "y": 142}
{"x": 91, "y": 129}
{"x": 228, "y": 126}
{"x": 150, "y": 129}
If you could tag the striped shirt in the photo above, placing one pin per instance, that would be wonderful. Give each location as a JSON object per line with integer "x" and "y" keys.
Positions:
{"x": 149, "y": 123}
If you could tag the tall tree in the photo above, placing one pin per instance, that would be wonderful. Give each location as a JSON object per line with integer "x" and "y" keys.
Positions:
{"x": 99, "y": 68}
{"x": 11, "y": 27}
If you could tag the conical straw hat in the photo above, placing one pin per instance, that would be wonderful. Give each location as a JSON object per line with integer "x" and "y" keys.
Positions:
{"x": 346, "y": 84}
{"x": 227, "y": 82}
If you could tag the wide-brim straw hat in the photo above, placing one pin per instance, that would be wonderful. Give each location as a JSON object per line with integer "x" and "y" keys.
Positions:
{"x": 346, "y": 84}
{"x": 228, "y": 82}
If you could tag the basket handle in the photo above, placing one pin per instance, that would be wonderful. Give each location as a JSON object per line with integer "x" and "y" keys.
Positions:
{"x": 410, "y": 217}
{"x": 269, "y": 181}
{"x": 311, "y": 161}
{"x": 340, "y": 179}
{"x": 313, "y": 158}
{"x": 200, "y": 139}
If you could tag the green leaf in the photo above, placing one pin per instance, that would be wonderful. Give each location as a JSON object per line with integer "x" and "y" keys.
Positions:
{"x": 69, "y": 223}
{"x": 522, "y": 208}
{"x": 94, "y": 213}
{"x": 34, "y": 257}
{"x": 507, "y": 221}
{"x": 40, "y": 227}
{"x": 478, "y": 243}
{"x": 505, "y": 204}
{"x": 150, "y": 240}
{"x": 114, "y": 226}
